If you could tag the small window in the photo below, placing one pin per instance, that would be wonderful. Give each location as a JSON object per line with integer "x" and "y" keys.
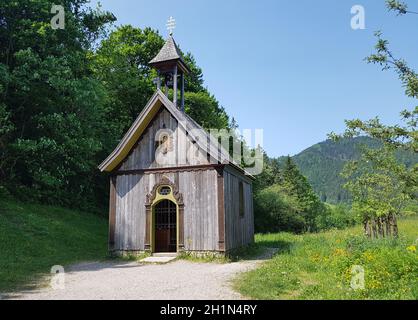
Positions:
{"x": 164, "y": 190}
{"x": 241, "y": 199}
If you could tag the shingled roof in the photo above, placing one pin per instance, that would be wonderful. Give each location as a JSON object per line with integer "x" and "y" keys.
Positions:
{"x": 169, "y": 52}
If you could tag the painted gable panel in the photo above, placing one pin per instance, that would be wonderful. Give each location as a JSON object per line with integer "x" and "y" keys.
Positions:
{"x": 180, "y": 150}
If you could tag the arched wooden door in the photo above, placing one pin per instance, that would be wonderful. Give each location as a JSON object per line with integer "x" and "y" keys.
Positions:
{"x": 165, "y": 226}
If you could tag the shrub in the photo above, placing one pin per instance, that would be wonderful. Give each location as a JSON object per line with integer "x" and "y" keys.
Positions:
{"x": 336, "y": 216}
{"x": 276, "y": 211}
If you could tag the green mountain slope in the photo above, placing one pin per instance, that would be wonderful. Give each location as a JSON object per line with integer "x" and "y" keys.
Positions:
{"x": 322, "y": 164}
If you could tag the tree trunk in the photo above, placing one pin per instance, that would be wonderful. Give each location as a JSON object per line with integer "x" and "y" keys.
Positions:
{"x": 374, "y": 228}
{"x": 394, "y": 224}
{"x": 380, "y": 227}
{"x": 387, "y": 225}
{"x": 366, "y": 224}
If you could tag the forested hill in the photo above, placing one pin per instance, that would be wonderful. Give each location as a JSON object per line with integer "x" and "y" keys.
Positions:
{"x": 323, "y": 162}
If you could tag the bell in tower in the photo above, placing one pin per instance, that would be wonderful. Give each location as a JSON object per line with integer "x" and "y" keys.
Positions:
{"x": 171, "y": 67}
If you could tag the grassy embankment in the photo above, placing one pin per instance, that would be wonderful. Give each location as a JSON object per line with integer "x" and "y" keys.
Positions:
{"x": 33, "y": 238}
{"x": 318, "y": 266}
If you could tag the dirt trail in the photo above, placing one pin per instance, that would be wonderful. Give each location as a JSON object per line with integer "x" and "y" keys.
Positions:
{"x": 179, "y": 279}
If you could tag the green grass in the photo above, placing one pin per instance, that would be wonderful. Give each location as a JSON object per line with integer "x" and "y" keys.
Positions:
{"x": 203, "y": 258}
{"x": 130, "y": 257}
{"x": 244, "y": 253}
{"x": 33, "y": 238}
{"x": 318, "y": 266}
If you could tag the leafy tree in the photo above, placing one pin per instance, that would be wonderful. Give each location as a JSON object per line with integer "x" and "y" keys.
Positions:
{"x": 205, "y": 109}
{"x": 293, "y": 205}
{"x": 6, "y": 126}
{"x": 193, "y": 81}
{"x": 399, "y": 7}
{"x": 379, "y": 192}
{"x": 298, "y": 186}
{"x": 270, "y": 175}
{"x": 51, "y": 102}
{"x": 121, "y": 65}
{"x": 338, "y": 216}
{"x": 276, "y": 210}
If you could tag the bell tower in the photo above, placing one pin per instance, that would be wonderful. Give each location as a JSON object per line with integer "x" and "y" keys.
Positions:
{"x": 171, "y": 68}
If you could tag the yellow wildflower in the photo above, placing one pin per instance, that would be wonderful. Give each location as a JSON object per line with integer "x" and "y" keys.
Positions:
{"x": 369, "y": 256}
{"x": 412, "y": 248}
{"x": 339, "y": 252}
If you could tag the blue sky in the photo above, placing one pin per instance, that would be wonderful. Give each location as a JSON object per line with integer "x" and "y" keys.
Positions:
{"x": 293, "y": 68}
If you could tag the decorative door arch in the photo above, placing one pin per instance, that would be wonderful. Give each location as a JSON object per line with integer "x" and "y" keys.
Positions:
{"x": 163, "y": 190}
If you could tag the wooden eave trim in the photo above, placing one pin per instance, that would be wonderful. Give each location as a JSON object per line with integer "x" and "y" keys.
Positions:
{"x": 239, "y": 172}
{"x": 166, "y": 65}
{"x": 168, "y": 169}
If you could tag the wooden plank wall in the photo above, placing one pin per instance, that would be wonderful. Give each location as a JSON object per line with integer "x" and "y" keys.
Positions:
{"x": 199, "y": 189}
{"x": 143, "y": 155}
{"x": 130, "y": 212}
{"x": 239, "y": 231}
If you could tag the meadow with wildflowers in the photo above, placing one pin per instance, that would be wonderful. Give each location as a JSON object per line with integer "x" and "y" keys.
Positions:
{"x": 337, "y": 264}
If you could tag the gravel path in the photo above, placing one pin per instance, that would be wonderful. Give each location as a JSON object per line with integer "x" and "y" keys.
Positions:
{"x": 179, "y": 279}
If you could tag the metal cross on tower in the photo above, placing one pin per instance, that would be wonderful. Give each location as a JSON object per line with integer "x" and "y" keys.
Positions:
{"x": 171, "y": 25}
